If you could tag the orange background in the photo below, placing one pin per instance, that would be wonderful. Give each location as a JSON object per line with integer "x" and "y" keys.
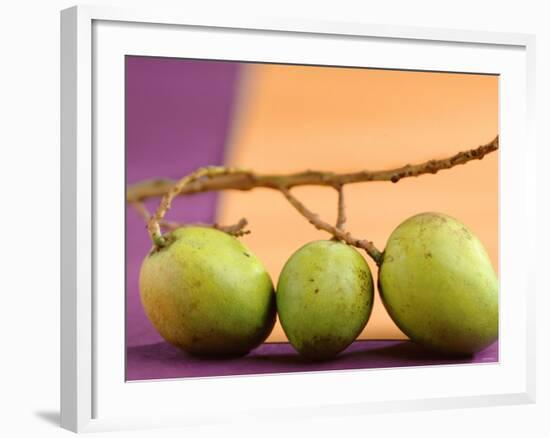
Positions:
{"x": 292, "y": 118}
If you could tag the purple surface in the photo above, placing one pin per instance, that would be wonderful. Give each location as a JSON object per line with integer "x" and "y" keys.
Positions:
{"x": 163, "y": 361}
{"x": 178, "y": 114}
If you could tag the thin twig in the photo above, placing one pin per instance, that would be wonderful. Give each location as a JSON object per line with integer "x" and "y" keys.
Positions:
{"x": 316, "y": 221}
{"x": 153, "y": 224}
{"x": 142, "y": 210}
{"x": 233, "y": 179}
{"x": 341, "y": 219}
{"x": 236, "y": 230}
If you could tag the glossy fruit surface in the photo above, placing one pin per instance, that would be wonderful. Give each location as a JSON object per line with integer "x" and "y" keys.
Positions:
{"x": 438, "y": 285}
{"x": 324, "y": 298}
{"x": 206, "y": 293}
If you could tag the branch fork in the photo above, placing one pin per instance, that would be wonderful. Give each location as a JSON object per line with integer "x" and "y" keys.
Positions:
{"x": 213, "y": 178}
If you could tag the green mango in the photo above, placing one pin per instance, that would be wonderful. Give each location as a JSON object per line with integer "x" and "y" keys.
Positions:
{"x": 438, "y": 285}
{"x": 206, "y": 293}
{"x": 324, "y": 298}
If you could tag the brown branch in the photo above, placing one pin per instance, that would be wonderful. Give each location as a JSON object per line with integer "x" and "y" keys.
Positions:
{"x": 234, "y": 179}
{"x": 341, "y": 218}
{"x": 340, "y": 234}
{"x": 220, "y": 178}
{"x": 236, "y": 230}
{"x": 153, "y": 224}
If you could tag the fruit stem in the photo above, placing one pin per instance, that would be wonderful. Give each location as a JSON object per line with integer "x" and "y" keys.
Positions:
{"x": 341, "y": 219}
{"x": 338, "y": 233}
{"x": 154, "y": 221}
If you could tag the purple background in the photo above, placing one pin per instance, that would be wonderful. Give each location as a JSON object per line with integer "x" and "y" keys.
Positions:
{"x": 177, "y": 119}
{"x": 178, "y": 114}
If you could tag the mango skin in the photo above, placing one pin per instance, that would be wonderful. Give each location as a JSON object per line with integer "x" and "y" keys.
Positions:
{"x": 207, "y": 293}
{"x": 324, "y": 298}
{"x": 438, "y": 285}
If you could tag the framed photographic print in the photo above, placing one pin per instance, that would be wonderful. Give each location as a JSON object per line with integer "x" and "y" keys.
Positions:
{"x": 256, "y": 208}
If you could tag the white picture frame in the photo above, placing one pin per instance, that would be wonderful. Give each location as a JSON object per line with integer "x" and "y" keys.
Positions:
{"x": 94, "y": 396}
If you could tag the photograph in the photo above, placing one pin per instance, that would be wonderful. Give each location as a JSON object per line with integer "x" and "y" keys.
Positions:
{"x": 288, "y": 218}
